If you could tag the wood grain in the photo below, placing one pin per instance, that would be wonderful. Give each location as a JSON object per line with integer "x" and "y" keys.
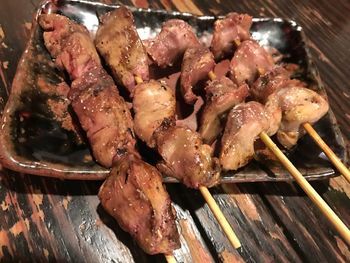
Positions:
{"x": 46, "y": 219}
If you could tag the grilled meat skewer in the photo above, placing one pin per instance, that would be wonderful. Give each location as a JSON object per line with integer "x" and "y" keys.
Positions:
{"x": 134, "y": 188}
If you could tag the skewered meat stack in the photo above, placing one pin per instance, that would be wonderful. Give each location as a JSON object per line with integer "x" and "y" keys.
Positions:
{"x": 133, "y": 193}
{"x": 134, "y": 186}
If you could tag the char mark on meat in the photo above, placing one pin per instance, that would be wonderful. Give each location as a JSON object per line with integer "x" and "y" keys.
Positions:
{"x": 153, "y": 102}
{"x": 135, "y": 196}
{"x": 221, "y": 96}
{"x": 244, "y": 124}
{"x": 196, "y": 64}
{"x": 171, "y": 43}
{"x": 102, "y": 112}
{"x": 186, "y": 158}
{"x": 70, "y": 44}
{"x": 249, "y": 62}
{"x": 228, "y": 33}
{"x": 119, "y": 44}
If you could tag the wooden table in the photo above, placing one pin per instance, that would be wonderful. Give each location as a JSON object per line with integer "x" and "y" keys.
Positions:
{"x": 43, "y": 219}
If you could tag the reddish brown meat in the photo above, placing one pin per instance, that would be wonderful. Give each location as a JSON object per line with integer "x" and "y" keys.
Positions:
{"x": 102, "y": 113}
{"x": 296, "y": 103}
{"x": 171, "y": 43}
{"x": 153, "y": 102}
{"x": 222, "y": 95}
{"x": 196, "y": 64}
{"x": 135, "y": 196}
{"x": 69, "y": 43}
{"x": 104, "y": 116}
{"x": 119, "y": 44}
{"x": 249, "y": 62}
{"x": 244, "y": 124}
{"x": 228, "y": 33}
{"x": 186, "y": 158}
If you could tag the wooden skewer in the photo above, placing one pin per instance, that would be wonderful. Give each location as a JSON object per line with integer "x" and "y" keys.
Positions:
{"x": 170, "y": 258}
{"x": 215, "y": 209}
{"x": 328, "y": 151}
{"x": 304, "y": 184}
{"x": 308, "y": 189}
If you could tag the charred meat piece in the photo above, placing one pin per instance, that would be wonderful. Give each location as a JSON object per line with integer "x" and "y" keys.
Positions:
{"x": 153, "y": 102}
{"x": 244, "y": 124}
{"x": 299, "y": 105}
{"x": 269, "y": 83}
{"x": 186, "y": 158}
{"x": 228, "y": 33}
{"x": 221, "y": 96}
{"x": 169, "y": 46}
{"x": 102, "y": 113}
{"x": 104, "y": 116}
{"x": 135, "y": 196}
{"x": 249, "y": 62}
{"x": 196, "y": 64}
{"x": 119, "y": 44}
{"x": 69, "y": 43}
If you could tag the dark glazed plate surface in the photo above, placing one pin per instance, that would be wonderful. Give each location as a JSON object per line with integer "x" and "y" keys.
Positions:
{"x": 35, "y": 140}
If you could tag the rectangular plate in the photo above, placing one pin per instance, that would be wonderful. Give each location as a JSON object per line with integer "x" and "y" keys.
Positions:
{"x": 34, "y": 139}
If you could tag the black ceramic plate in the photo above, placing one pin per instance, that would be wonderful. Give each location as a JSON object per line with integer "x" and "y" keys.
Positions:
{"x": 37, "y": 136}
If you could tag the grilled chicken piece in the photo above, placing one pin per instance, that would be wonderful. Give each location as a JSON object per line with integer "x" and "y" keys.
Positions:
{"x": 153, "y": 102}
{"x": 169, "y": 46}
{"x": 221, "y": 96}
{"x": 244, "y": 124}
{"x": 135, "y": 196}
{"x": 269, "y": 83}
{"x": 119, "y": 44}
{"x": 104, "y": 116}
{"x": 186, "y": 158}
{"x": 102, "y": 113}
{"x": 299, "y": 105}
{"x": 196, "y": 64}
{"x": 228, "y": 33}
{"x": 249, "y": 62}
{"x": 69, "y": 43}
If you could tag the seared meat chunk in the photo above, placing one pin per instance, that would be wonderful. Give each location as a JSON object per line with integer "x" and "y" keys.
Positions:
{"x": 196, "y": 64}
{"x": 104, "y": 116}
{"x": 69, "y": 43}
{"x": 269, "y": 83}
{"x": 135, "y": 196}
{"x": 175, "y": 37}
{"x": 221, "y": 95}
{"x": 249, "y": 62}
{"x": 102, "y": 112}
{"x": 228, "y": 33}
{"x": 186, "y": 158}
{"x": 153, "y": 102}
{"x": 299, "y": 105}
{"x": 244, "y": 124}
{"x": 119, "y": 44}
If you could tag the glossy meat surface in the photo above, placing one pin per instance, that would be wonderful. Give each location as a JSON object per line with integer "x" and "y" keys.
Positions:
{"x": 153, "y": 102}
{"x": 135, "y": 196}
{"x": 171, "y": 43}
{"x": 186, "y": 158}
{"x": 119, "y": 44}
{"x": 249, "y": 62}
{"x": 104, "y": 116}
{"x": 196, "y": 65}
{"x": 69, "y": 43}
{"x": 228, "y": 33}
{"x": 244, "y": 124}
{"x": 221, "y": 96}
